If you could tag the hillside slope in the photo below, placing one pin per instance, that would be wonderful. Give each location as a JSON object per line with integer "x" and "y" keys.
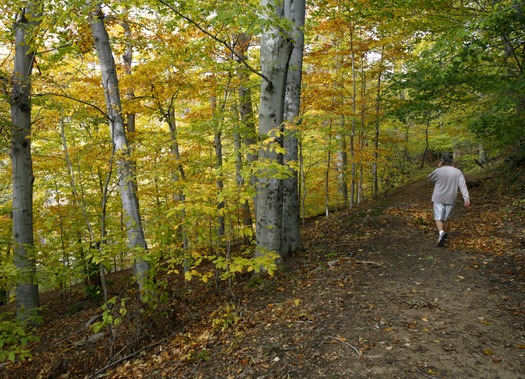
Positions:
{"x": 369, "y": 296}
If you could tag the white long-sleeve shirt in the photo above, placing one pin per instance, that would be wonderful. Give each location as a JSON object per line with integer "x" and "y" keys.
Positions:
{"x": 447, "y": 181}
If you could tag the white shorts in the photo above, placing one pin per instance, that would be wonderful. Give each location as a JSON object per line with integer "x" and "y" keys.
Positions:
{"x": 442, "y": 211}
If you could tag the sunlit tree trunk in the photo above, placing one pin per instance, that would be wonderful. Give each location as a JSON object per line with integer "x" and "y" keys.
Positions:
{"x": 22, "y": 168}
{"x": 291, "y": 207}
{"x": 275, "y": 55}
{"x": 130, "y": 204}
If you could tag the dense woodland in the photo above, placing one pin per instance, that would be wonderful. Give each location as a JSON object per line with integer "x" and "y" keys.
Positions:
{"x": 192, "y": 138}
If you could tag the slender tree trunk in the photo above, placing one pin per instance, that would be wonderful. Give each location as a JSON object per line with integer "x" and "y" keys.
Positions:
{"x": 302, "y": 181}
{"x": 130, "y": 204}
{"x": 375, "y": 178}
{"x": 327, "y": 174}
{"x": 247, "y": 132}
{"x": 275, "y": 56}
{"x": 217, "y": 143}
{"x": 92, "y": 277}
{"x": 343, "y": 163}
{"x": 405, "y": 157}
{"x": 363, "y": 140}
{"x": 22, "y": 169}
{"x": 426, "y": 144}
{"x": 127, "y": 57}
{"x": 295, "y": 12}
{"x": 178, "y": 176}
{"x": 354, "y": 114}
{"x": 131, "y": 117}
{"x": 482, "y": 154}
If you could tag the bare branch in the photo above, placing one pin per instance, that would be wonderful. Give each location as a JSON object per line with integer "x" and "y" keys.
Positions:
{"x": 216, "y": 38}
{"x": 77, "y": 100}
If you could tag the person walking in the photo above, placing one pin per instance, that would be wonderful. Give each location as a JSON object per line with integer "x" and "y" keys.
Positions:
{"x": 447, "y": 180}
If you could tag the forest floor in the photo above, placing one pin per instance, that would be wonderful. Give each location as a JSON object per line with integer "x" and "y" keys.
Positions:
{"x": 369, "y": 296}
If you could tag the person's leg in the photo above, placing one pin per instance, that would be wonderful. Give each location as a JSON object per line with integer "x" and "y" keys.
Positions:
{"x": 446, "y": 225}
{"x": 447, "y": 212}
{"x": 440, "y": 219}
{"x": 439, "y": 216}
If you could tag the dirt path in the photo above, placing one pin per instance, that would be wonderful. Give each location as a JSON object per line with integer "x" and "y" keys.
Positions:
{"x": 372, "y": 296}
{"x": 417, "y": 310}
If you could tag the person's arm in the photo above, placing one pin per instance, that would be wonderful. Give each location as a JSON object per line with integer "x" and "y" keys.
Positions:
{"x": 432, "y": 177}
{"x": 464, "y": 191}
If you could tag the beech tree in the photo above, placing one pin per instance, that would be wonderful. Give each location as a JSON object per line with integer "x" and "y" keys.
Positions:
{"x": 295, "y": 12}
{"x": 129, "y": 198}
{"x": 276, "y": 48}
{"x": 246, "y": 133}
{"x": 22, "y": 164}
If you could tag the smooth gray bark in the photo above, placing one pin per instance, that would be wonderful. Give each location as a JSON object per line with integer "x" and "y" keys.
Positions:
{"x": 22, "y": 169}
{"x": 275, "y": 55}
{"x": 294, "y": 12}
{"x": 130, "y": 204}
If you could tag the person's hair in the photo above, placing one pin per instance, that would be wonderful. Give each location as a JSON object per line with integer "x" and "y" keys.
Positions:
{"x": 448, "y": 158}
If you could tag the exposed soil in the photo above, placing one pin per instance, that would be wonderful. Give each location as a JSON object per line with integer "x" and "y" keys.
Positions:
{"x": 370, "y": 296}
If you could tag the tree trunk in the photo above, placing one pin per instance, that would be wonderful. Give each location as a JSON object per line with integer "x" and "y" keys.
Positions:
{"x": 327, "y": 174}
{"x": 342, "y": 162}
{"x": 127, "y": 58}
{"x": 295, "y": 12}
{"x": 178, "y": 175}
{"x": 363, "y": 140}
{"x": 22, "y": 169}
{"x": 217, "y": 143}
{"x": 426, "y": 144}
{"x": 130, "y": 204}
{"x": 375, "y": 174}
{"x": 275, "y": 55}
{"x": 354, "y": 116}
{"x": 247, "y": 132}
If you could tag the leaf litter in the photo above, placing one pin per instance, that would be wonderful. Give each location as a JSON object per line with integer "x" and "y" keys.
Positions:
{"x": 369, "y": 295}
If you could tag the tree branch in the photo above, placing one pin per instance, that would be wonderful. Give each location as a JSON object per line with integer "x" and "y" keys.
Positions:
{"x": 77, "y": 100}
{"x": 221, "y": 41}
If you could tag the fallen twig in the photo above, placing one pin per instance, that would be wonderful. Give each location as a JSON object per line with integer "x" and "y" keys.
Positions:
{"x": 426, "y": 375}
{"x": 112, "y": 364}
{"x": 371, "y": 263}
{"x": 357, "y": 351}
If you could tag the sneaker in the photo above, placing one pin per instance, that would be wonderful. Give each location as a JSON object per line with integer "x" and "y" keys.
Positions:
{"x": 441, "y": 239}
